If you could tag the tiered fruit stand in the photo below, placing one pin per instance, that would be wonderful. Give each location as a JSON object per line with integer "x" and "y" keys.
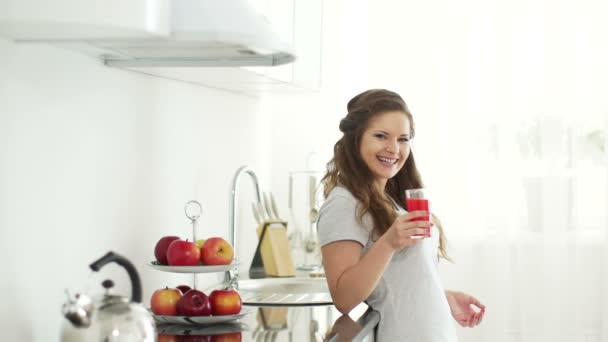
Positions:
{"x": 193, "y": 211}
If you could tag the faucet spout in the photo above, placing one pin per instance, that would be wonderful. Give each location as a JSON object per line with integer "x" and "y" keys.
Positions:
{"x": 233, "y": 199}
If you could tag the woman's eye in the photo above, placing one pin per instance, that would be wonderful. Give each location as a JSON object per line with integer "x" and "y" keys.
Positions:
{"x": 404, "y": 139}
{"x": 380, "y": 136}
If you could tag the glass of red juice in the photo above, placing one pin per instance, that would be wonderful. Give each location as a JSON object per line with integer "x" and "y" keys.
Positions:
{"x": 415, "y": 199}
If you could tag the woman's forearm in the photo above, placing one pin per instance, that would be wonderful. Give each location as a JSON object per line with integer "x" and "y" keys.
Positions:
{"x": 359, "y": 280}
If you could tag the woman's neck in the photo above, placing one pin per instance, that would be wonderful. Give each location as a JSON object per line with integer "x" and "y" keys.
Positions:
{"x": 380, "y": 185}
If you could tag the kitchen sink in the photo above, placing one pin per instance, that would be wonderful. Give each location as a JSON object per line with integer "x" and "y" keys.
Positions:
{"x": 284, "y": 292}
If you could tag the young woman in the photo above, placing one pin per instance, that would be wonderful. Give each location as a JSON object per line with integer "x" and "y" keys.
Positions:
{"x": 366, "y": 233}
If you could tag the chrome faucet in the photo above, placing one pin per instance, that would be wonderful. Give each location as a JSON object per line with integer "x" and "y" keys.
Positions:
{"x": 233, "y": 196}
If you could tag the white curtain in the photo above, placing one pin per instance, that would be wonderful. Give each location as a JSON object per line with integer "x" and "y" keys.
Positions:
{"x": 528, "y": 229}
{"x": 511, "y": 110}
{"x": 513, "y": 141}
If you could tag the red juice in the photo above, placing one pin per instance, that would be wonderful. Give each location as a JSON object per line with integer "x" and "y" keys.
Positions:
{"x": 414, "y": 204}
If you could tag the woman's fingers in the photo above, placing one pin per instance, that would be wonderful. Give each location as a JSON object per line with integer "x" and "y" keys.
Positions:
{"x": 404, "y": 229}
{"x": 414, "y": 232}
{"x": 414, "y": 224}
{"x": 477, "y": 317}
{"x": 463, "y": 319}
{"x": 407, "y": 227}
{"x": 476, "y": 302}
{"x": 470, "y": 320}
{"x": 406, "y": 237}
{"x": 408, "y": 231}
{"x": 473, "y": 321}
{"x": 414, "y": 214}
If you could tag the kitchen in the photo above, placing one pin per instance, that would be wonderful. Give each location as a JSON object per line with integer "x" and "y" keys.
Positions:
{"x": 96, "y": 158}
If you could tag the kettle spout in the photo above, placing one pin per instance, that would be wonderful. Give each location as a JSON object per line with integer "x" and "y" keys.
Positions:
{"x": 78, "y": 310}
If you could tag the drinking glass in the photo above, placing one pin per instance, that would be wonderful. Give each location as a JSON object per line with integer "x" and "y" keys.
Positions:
{"x": 415, "y": 199}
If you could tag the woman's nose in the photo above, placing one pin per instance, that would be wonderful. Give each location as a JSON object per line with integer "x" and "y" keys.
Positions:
{"x": 392, "y": 147}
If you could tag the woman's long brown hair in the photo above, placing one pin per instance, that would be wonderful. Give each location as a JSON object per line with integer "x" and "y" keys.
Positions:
{"x": 348, "y": 169}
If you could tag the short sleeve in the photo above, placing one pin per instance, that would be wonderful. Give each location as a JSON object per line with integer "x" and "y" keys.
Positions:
{"x": 338, "y": 219}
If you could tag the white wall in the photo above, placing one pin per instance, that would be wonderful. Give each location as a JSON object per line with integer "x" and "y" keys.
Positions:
{"x": 95, "y": 159}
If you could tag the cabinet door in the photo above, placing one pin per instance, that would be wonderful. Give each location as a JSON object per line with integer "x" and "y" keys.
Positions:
{"x": 101, "y": 19}
{"x": 307, "y": 33}
{"x": 299, "y": 23}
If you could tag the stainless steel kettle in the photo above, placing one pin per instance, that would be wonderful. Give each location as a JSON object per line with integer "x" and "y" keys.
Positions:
{"x": 112, "y": 317}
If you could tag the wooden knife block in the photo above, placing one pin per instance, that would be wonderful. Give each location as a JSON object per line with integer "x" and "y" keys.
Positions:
{"x": 273, "y": 246}
{"x": 272, "y": 318}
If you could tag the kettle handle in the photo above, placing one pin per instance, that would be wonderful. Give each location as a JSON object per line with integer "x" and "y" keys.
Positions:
{"x": 122, "y": 261}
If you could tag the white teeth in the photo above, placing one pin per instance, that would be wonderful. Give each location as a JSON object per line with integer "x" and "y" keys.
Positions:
{"x": 387, "y": 160}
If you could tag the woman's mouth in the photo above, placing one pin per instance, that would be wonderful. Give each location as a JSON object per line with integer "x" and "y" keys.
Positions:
{"x": 388, "y": 162}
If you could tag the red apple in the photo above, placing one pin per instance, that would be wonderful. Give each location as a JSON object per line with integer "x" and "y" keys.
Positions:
{"x": 160, "y": 250}
{"x": 225, "y": 302}
{"x": 227, "y": 337}
{"x": 164, "y": 301}
{"x": 183, "y": 253}
{"x": 183, "y": 288}
{"x": 194, "y": 303}
{"x": 216, "y": 251}
{"x": 194, "y": 338}
{"x": 167, "y": 338}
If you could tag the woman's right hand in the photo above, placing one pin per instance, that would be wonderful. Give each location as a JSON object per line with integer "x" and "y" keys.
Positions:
{"x": 399, "y": 235}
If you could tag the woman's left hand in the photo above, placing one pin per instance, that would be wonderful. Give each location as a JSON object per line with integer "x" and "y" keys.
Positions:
{"x": 462, "y": 306}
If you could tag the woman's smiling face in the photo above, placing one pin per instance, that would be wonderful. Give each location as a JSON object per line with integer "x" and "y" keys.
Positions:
{"x": 385, "y": 145}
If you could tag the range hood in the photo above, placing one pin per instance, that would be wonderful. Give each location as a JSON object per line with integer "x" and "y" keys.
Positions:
{"x": 207, "y": 33}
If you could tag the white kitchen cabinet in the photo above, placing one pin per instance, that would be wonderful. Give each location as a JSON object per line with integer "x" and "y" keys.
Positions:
{"x": 296, "y": 22}
{"x": 36, "y": 20}
{"x": 109, "y": 30}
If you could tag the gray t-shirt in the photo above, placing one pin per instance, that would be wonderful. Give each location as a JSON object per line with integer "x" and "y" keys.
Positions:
{"x": 410, "y": 297}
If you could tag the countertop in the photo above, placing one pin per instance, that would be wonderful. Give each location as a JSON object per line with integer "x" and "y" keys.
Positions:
{"x": 302, "y": 323}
